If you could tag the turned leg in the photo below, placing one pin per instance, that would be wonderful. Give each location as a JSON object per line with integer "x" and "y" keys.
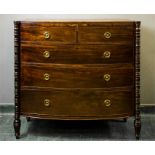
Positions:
{"x": 28, "y": 119}
{"x": 17, "y": 123}
{"x": 137, "y": 125}
{"x": 17, "y": 128}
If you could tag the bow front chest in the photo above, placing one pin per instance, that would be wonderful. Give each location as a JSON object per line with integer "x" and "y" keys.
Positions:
{"x": 81, "y": 70}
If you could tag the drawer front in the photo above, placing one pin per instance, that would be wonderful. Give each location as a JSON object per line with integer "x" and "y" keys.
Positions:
{"x": 80, "y": 102}
{"x": 78, "y": 54}
{"x": 77, "y": 76}
{"x": 103, "y": 35}
{"x": 44, "y": 33}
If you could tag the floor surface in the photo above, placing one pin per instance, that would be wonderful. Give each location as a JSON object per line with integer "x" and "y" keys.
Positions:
{"x": 49, "y": 130}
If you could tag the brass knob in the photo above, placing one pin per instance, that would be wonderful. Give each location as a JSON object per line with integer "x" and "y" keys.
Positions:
{"x": 46, "y": 102}
{"x": 46, "y": 35}
{"x": 46, "y": 76}
{"x": 107, "y": 77}
{"x": 107, "y": 102}
{"x": 106, "y": 54}
{"x": 107, "y": 35}
{"x": 46, "y": 54}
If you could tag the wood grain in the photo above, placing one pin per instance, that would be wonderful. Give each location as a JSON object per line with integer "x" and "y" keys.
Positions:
{"x": 57, "y": 34}
{"x": 77, "y": 54}
{"x": 78, "y": 102}
{"x": 76, "y": 66}
{"x": 77, "y": 76}
{"x": 95, "y": 35}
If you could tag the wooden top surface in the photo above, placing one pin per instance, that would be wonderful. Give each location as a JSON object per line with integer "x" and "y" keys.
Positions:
{"x": 76, "y": 20}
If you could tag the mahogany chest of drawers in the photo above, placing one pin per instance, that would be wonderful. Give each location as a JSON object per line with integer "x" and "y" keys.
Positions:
{"x": 82, "y": 70}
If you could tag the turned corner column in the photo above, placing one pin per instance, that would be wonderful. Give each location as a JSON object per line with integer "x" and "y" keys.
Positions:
{"x": 17, "y": 121}
{"x": 137, "y": 122}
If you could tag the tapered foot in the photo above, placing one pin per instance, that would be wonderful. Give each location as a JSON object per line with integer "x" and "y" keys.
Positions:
{"x": 124, "y": 119}
{"x": 137, "y": 137}
{"x": 137, "y": 125}
{"x": 17, "y": 135}
{"x": 17, "y": 128}
{"x": 28, "y": 119}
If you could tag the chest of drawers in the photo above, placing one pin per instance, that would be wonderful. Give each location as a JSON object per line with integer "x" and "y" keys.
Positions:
{"x": 82, "y": 70}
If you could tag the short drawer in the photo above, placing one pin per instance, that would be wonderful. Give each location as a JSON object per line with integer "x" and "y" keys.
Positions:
{"x": 101, "y": 35}
{"x": 78, "y": 54}
{"x": 48, "y": 33}
{"x": 77, "y": 76}
{"x": 77, "y": 102}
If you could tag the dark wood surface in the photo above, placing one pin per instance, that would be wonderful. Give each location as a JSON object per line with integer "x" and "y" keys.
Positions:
{"x": 76, "y": 66}
{"x": 95, "y": 35}
{"x": 17, "y": 92}
{"x": 78, "y": 102}
{"x": 137, "y": 121}
{"x": 77, "y": 54}
{"x": 77, "y": 76}
{"x": 56, "y": 34}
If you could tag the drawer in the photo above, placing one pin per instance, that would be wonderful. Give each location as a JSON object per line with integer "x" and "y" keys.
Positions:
{"x": 77, "y": 102}
{"x": 78, "y": 54}
{"x": 77, "y": 76}
{"x": 48, "y": 33}
{"x": 101, "y": 35}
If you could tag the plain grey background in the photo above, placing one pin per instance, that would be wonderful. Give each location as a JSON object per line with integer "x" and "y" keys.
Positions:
{"x": 147, "y": 50}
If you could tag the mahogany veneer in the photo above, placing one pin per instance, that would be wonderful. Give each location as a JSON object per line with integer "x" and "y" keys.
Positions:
{"x": 77, "y": 70}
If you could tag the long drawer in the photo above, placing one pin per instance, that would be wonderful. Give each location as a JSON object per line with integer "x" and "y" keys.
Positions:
{"x": 77, "y": 102}
{"x": 78, "y": 54}
{"x": 77, "y": 76}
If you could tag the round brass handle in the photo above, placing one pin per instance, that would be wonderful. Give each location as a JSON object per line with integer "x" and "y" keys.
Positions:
{"x": 107, "y": 77}
{"x": 46, "y": 102}
{"x": 46, "y": 54}
{"x": 46, "y": 35}
{"x": 46, "y": 76}
{"x": 106, "y": 54}
{"x": 107, "y": 35}
{"x": 107, "y": 102}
